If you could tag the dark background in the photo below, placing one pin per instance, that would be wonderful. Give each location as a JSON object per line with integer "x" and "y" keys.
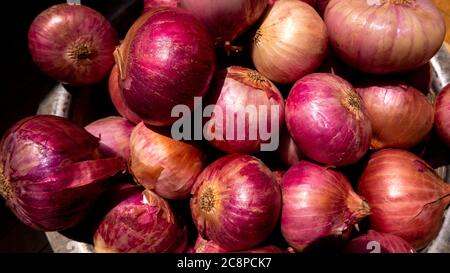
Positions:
{"x": 24, "y": 86}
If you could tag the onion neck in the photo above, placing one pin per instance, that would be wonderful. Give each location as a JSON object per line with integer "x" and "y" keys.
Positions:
{"x": 358, "y": 208}
{"x": 352, "y": 102}
{"x": 409, "y": 3}
{"x": 207, "y": 200}
{"x": 5, "y": 190}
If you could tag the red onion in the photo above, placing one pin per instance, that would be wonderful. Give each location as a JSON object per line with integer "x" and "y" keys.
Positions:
{"x": 288, "y": 152}
{"x": 114, "y": 134}
{"x": 149, "y": 4}
{"x": 401, "y": 116}
{"x": 290, "y": 43}
{"x": 407, "y": 197}
{"x": 205, "y": 246}
{"x": 385, "y": 36}
{"x": 236, "y": 202}
{"x": 375, "y": 242}
{"x": 244, "y": 92}
{"x": 164, "y": 165}
{"x": 225, "y": 19}
{"x": 166, "y": 59}
{"x": 328, "y": 120}
{"x": 443, "y": 114}
{"x": 144, "y": 222}
{"x": 312, "y": 3}
{"x": 318, "y": 203}
{"x": 117, "y": 99}
{"x": 73, "y": 44}
{"x": 48, "y": 176}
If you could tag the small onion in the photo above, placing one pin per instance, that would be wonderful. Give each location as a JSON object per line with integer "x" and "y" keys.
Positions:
{"x": 401, "y": 116}
{"x": 225, "y": 19}
{"x": 166, "y": 59}
{"x": 407, "y": 197}
{"x": 205, "y": 246}
{"x": 117, "y": 99}
{"x": 290, "y": 43}
{"x": 144, "y": 222}
{"x": 443, "y": 114}
{"x": 73, "y": 44}
{"x": 375, "y": 242}
{"x": 318, "y": 203}
{"x": 237, "y": 90}
{"x": 328, "y": 120}
{"x": 385, "y": 36}
{"x": 164, "y": 165}
{"x": 236, "y": 202}
{"x": 150, "y": 4}
{"x": 48, "y": 176}
{"x": 114, "y": 134}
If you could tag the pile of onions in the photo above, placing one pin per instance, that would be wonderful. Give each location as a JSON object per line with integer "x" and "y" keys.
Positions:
{"x": 243, "y": 92}
{"x": 318, "y": 203}
{"x": 143, "y": 222}
{"x": 48, "y": 174}
{"x": 443, "y": 114}
{"x": 365, "y": 34}
{"x": 162, "y": 164}
{"x": 73, "y": 44}
{"x": 407, "y": 197}
{"x": 150, "y": 4}
{"x": 226, "y": 20}
{"x": 290, "y": 43}
{"x": 114, "y": 134}
{"x": 205, "y": 246}
{"x": 328, "y": 120}
{"x": 166, "y": 59}
{"x": 376, "y": 242}
{"x": 236, "y": 202}
{"x": 117, "y": 99}
{"x": 401, "y": 116}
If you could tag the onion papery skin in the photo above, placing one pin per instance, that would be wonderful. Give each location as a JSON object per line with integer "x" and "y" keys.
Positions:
{"x": 401, "y": 116}
{"x": 117, "y": 99}
{"x": 318, "y": 203}
{"x": 164, "y": 165}
{"x": 407, "y": 197}
{"x": 150, "y": 4}
{"x": 166, "y": 59}
{"x": 443, "y": 114}
{"x": 284, "y": 53}
{"x": 236, "y": 202}
{"x": 226, "y": 20}
{"x": 114, "y": 134}
{"x": 383, "y": 37}
{"x": 205, "y": 246}
{"x": 328, "y": 120}
{"x": 236, "y": 89}
{"x": 48, "y": 174}
{"x": 142, "y": 223}
{"x": 387, "y": 243}
{"x": 73, "y": 44}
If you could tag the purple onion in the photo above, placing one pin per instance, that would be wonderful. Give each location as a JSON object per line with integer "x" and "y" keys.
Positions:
{"x": 376, "y": 242}
{"x": 166, "y": 59}
{"x": 142, "y": 223}
{"x": 443, "y": 114}
{"x": 48, "y": 174}
{"x": 114, "y": 134}
{"x": 328, "y": 120}
{"x": 236, "y": 202}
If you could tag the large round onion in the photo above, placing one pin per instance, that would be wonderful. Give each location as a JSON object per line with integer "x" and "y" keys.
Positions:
{"x": 376, "y": 242}
{"x": 290, "y": 43}
{"x": 144, "y": 222}
{"x": 328, "y": 120}
{"x": 242, "y": 92}
{"x": 73, "y": 44}
{"x": 164, "y": 165}
{"x": 114, "y": 134}
{"x": 401, "y": 116}
{"x": 225, "y": 19}
{"x": 117, "y": 99}
{"x": 407, "y": 197}
{"x": 166, "y": 59}
{"x": 236, "y": 202}
{"x": 318, "y": 203}
{"x": 48, "y": 176}
{"x": 383, "y": 37}
{"x": 443, "y": 114}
